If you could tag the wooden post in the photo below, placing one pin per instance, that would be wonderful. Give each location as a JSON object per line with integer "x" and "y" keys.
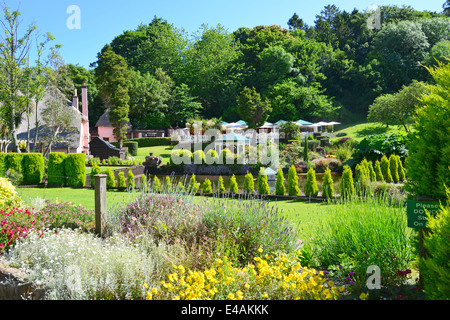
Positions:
{"x": 100, "y": 204}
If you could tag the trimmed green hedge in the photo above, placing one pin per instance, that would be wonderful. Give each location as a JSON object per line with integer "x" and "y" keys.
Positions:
{"x": 132, "y": 147}
{"x": 75, "y": 166}
{"x": 56, "y": 171}
{"x": 148, "y": 142}
{"x": 33, "y": 167}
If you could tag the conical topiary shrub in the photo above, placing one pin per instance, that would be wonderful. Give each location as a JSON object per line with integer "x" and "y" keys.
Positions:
{"x": 311, "y": 188}
{"x": 378, "y": 173}
{"x": 327, "y": 185}
{"x": 207, "y": 186}
{"x": 263, "y": 182}
{"x": 249, "y": 185}
{"x": 293, "y": 188}
{"x": 347, "y": 187}
{"x": 234, "y": 188}
{"x": 130, "y": 180}
{"x": 121, "y": 180}
{"x": 280, "y": 189}
{"x": 393, "y": 166}
{"x": 385, "y": 169}
{"x": 221, "y": 185}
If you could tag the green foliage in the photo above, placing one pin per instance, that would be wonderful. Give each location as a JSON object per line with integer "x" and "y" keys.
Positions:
{"x": 227, "y": 156}
{"x": 198, "y": 157}
{"x": 193, "y": 184}
{"x": 130, "y": 180}
{"x": 280, "y": 188}
{"x": 393, "y": 166}
{"x": 362, "y": 178}
{"x": 180, "y": 187}
{"x": 156, "y": 184}
{"x": 305, "y": 150}
{"x": 378, "y": 173}
{"x": 33, "y": 168}
{"x": 94, "y": 171}
{"x": 401, "y": 169}
{"x": 207, "y": 186}
{"x": 433, "y": 267}
{"x": 385, "y": 169}
{"x": 234, "y": 187}
{"x": 132, "y": 147}
{"x": 249, "y": 185}
{"x": 373, "y": 175}
{"x": 221, "y": 185}
{"x": 293, "y": 189}
{"x": 144, "y": 184}
{"x": 110, "y": 178}
{"x": 374, "y": 147}
{"x": 311, "y": 188}
{"x": 429, "y": 145}
{"x": 121, "y": 180}
{"x": 13, "y": 161}
{"x": 253, "y": 110}
{"x": 180, "y": 157}
{"x": 167, "y": 184}
{"x": 263, "y": 182}
{"x": 347, "y": 186}
{"x": 327, "y": 185}
{"x": 211, "y": 157}
{"x": 148, "y": 142}
{"x": 75, "y": 168}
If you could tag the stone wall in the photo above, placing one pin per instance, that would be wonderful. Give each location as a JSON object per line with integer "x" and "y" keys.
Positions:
{"x": 14, "y": 285}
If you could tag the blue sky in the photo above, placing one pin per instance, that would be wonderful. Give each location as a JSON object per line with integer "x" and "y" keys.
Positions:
{"x": 102, "y": 20}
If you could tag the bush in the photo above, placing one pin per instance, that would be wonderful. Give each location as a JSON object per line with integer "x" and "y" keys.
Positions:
{"x": 75, "y": 168}
{"x": 221, "y": 185}
{"x": 207, "y": 186}
{"x": 378, "y": 173}
{"x": 198, "y": 157}
{"x": 293, "y": 188}
{"x": 401, "y": 170}
{"x": 249, "y": 185}
{"x": 234, "y": 188}
{"x": 305, "y": 150}
{"x": 15, "y": 224}
{"x": 132, "y": 147}
{"x": 385, "y": 169}
{"x": 280, "y": 189}
{"x": 311, "y": 188}
{"x": 148, "y": 142}
{"x": 94, "y": 171}
{"x": 263, "y": 182}
{"x": 33, "y": 168}
{"x": 180, "y": 157}
{"x": 372, "y": 174}
{"x": 110, "y": 178}
{"x": 167, "y": 184}
{"x": 327, "y": 185}
{"x": 156, "y": 185}
{"x": 121, "y": 180}
{"x": 435, "y": 279}
{"x": 130, "y": 180}
{"x": 347, "y": 187}
{"x": 393, "y": 166}
{"x": 226, "y": 156}
{"x": 373, "y": 146}
{"x": 8, "y": 195}
{"x": 362, "y": 179}
{"x": 13, "y": 161}
{"x": 144, "y": 185}
{"x": 193, "y": 185}
{"x": 211, "y": 157}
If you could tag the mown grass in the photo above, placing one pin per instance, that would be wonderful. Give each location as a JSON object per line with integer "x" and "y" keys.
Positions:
{"x": 162, "y": 151}
{"x": 362, "y": 129}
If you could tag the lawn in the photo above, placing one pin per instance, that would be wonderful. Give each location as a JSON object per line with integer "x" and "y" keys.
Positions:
{"x": 362, "y": 129}
{"x": 162, "y": 151}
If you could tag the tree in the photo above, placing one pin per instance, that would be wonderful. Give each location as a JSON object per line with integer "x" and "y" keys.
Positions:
{"x": 429, "y": 147}
{"x": 249, "y": 185}
{"x": 385, "y": 169}
{"x": 252, "y": 108}
{"x": 296, "y": 23}
{"x": 378, "y": 173}
{"x": 446, "y": 7}
{"x": 14, "y": 50}
{"x": 234, "y": 188}
{"x": 112, "y": 78}
{"x": 311, "y": 188}
{"x": 263, "y": 183}
{"x": 393, "y": 166}
{"x": 347, "y": 187}
{"x": 280, "y": 189}
{"x": 293, "y": 189}
{"x": 207, "y": 187}
{"x": 327, "y": 185}
{"x": 221, "y": 185}
{"x": 184, "y": 107}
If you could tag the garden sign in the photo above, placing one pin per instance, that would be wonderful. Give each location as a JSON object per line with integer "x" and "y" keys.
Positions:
{"x": 416, "y": 211}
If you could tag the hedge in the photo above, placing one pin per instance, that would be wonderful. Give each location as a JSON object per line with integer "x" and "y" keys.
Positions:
{"x": 13, "y": 161}
{"x": 56, "y": 168}
{"x": 148, "y": 142}
{"x": 75, "y": 166}
{"x": 33, "y": 167}
{"x": 132, "y": 147}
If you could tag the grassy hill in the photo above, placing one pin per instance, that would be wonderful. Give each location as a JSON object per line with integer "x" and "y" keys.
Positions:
{"x": 359, "y": 130}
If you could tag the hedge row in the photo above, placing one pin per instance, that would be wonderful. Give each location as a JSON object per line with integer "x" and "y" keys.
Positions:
{"x": 30, "y": 165}
{"x": 148, "y": 142}
{"x": 68, "y": 169}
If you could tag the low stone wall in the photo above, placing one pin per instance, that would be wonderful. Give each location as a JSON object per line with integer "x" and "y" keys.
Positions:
{"x": 14, "y": 285}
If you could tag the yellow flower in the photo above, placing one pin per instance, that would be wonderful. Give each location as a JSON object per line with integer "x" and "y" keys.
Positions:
{"x": 260, "y": 250}
{"x": 149, "y": 296}
{"x": 330, "y": 283}
{"x": 265, "y": 295}
{"x": 364, "y": 296}
{"x": 146, "y": 285}
{"x": 247, "y": 286}
{"x": 230, "y": 296}
{"x": 155, "y": 291}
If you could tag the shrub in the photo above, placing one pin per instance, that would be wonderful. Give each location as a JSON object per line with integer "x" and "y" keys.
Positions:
{"x": 104, "y": 162}
{"x": 221, "y": 185}
{"x": 305, "y": 150}
{"x": 234, "y": 188}
{"x": 293, "y": 188}
{"x": 401, "y": 170}
{"x": 280, "y": 188}
{"x": 372, "y": 174}
{"x": 207, "y": 186}
{"x": 180, "y": 157}
{"x": 327, "y": 185}
{"x": 347, "y": 187}
{"x": 211, "y": 157}
{"x": 393, "y": 166}
{"x": 94, "y": 171}
{"x": 193, "y": 185}
{"x": 385, "y": 169}
{"x": 378, "y": 173}
{"x": 436, "y": 281}
{"x": 373, "y": 146}
{"x": 13, "y": 161}
{"x": 167, "y": 184}
{"x": 226, "y": 156}
{"x": 180, "y": 187}
{"x": 33, "y": 168}
{"x": 130, "y": 180}
{"x": 148, "y": 141}
{"x": 15, "y": 224}
{"x": 75, "y": 168}
{"x": 361, "y": 179}
{"x": 263, "y": 182}
{"x": 8, "y": 195}
{"x": 144, "y": 185}
{"x": 110, "y": 178}
{"x": 249, "y": 185}
{"x": 121, "y": 180}
{"x": 132, "y": 147}
{"x": 156, "y": 185}
{"x": 311, "y": 188}
{"x": 198, "y": 157}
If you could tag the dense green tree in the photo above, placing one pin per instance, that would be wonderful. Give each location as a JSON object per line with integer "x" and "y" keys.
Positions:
{"x": 327, "y": 185}
{"x": 311, "y": 188}
{"x": 113, "y": 81}
{"x": 293, "y": 189}
{"x": 252, "y": 108}
{"x": 234, "y": 187}
{"x": 263, "y": 183}
{"x": 280, "y": 189}
{"x": 184, "y": 106}
{"x": 446, "y": 7}
{"x": 249, "y": 184}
